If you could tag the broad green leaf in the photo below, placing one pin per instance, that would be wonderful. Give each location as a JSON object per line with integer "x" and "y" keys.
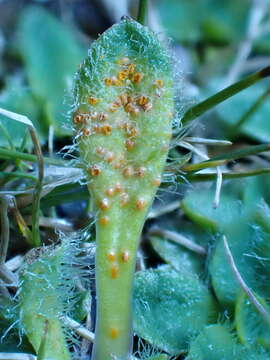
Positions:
{"x": 214, "y": 342}
{"x": 251, "y": 327}
{"x": 198, "y": 206}
{"x": 17, "y": 98}
{"x": 41, "y": 304}
{"x": 256, "y": 126}
{"x": 170, "y": 307}
{"x": 217, "y": 342}
{"x": 51, "y": 54}
{"x": 176, "y": 255}
{"x": 250, "y": 249}
{"x": 236, "y": 218}
{"x": 11, "y": 339}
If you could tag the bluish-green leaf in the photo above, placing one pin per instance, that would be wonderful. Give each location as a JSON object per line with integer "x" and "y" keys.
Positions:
{"x": 170, "y": 307}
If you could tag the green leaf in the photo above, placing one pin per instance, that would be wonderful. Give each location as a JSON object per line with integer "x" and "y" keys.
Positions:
{"x": 170, "y": 307}
{"x": 216, "y": 342}
{"x": 176, "y": 255}
{"x": 181, "y": 258}
{"x": 52, "y": 55}
{"x": 256, "y": 126}
{"x": 251, "y": 327}
{"x": 236, "y": 218}
{"x": 250, "y": 248}
{"x": 12, "y": 340}
{"x": 225, "y": 94}
{"x": 17, "y": 98}
{"x": 40, "y": 304}
{"x": 198, "y": 206}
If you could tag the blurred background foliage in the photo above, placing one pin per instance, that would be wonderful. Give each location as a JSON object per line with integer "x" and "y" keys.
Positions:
{"x": 214, "y": 43}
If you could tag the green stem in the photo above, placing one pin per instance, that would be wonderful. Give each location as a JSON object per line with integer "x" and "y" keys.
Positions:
{"x": 7, "y": 136}
{"x": 224, "y": 94}
{"x": 7, "y": 176}
{"x": 115, "y": 262}
{"x": 38, "y": 187}
{"x": 123, "y": 128}
{"x": 17, "y": 155}
{"x": 226, "y": 175}
{"x": 142, "y": 11}
{"x": 203, "y": 165}
{"x": 4, "y": 200}
{"x": 238, "y": 154}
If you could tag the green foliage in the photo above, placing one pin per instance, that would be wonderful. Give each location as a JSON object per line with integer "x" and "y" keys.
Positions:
{"x": 18, "y": 98}
{"x": 170, "y": 307}
{"x": 251, "y": 327}
{"x": 176, "y": 255}
{"x": 51, "y": 54}
{"x": 199, "y": 208}
{"x": 254, "y": 126}
{"x": 218, "y": 342}
{"x": 41, "y": 305}
{"x": 198, "y": 20}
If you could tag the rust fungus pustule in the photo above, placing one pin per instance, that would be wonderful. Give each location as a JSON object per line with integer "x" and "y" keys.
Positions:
{"x": 114, "y": 271}
{"x": 109, "y": 156}
{"x": 129, "y": 144}
{"x": 108, "y": 81}
{"x": 131, "y": 131}
{"x": 78, "y": 119}
{"x": 94, "y": 170}
{"x": 142, "y": 100}
{"x": 157, "y": 181}
{"x": 114, "y": 333}
{"x": 159, "y": 83}
{"x": 118, "y": 187}
{"x": 104, "y": 204}
{"x": 116, "y": 82}
{"x": 137, "y": 77}
{"x": 123, "y": 99}
{"x": 132, "y": 109}
{"x": 94, "y": 115}
{"x": 100, "y": 150}
{"x": 110, "y": 191}
{"x": 104, "y": 220}
{"x": 113, "y": 107}
{"x": 131, "y": 68}
{"x": 111, "y": 256}
{"x": 125, "y": 256}
{"x": 123, "y": 75}
{"x": 128, "y": 171}
{"x": 93, "y": 100}
{"x": 103, "y": 117}
{"x": 140, "y": 171}
{"x": 86, "y": 132}
{"x": 147, "y": 107}
{"x": 140, "y": 204}
{"x": 106, "y": 129}
{"x": 96, "y": 128}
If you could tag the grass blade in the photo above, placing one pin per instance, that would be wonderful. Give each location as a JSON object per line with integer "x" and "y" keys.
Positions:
{"x": 199, "y": 109}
